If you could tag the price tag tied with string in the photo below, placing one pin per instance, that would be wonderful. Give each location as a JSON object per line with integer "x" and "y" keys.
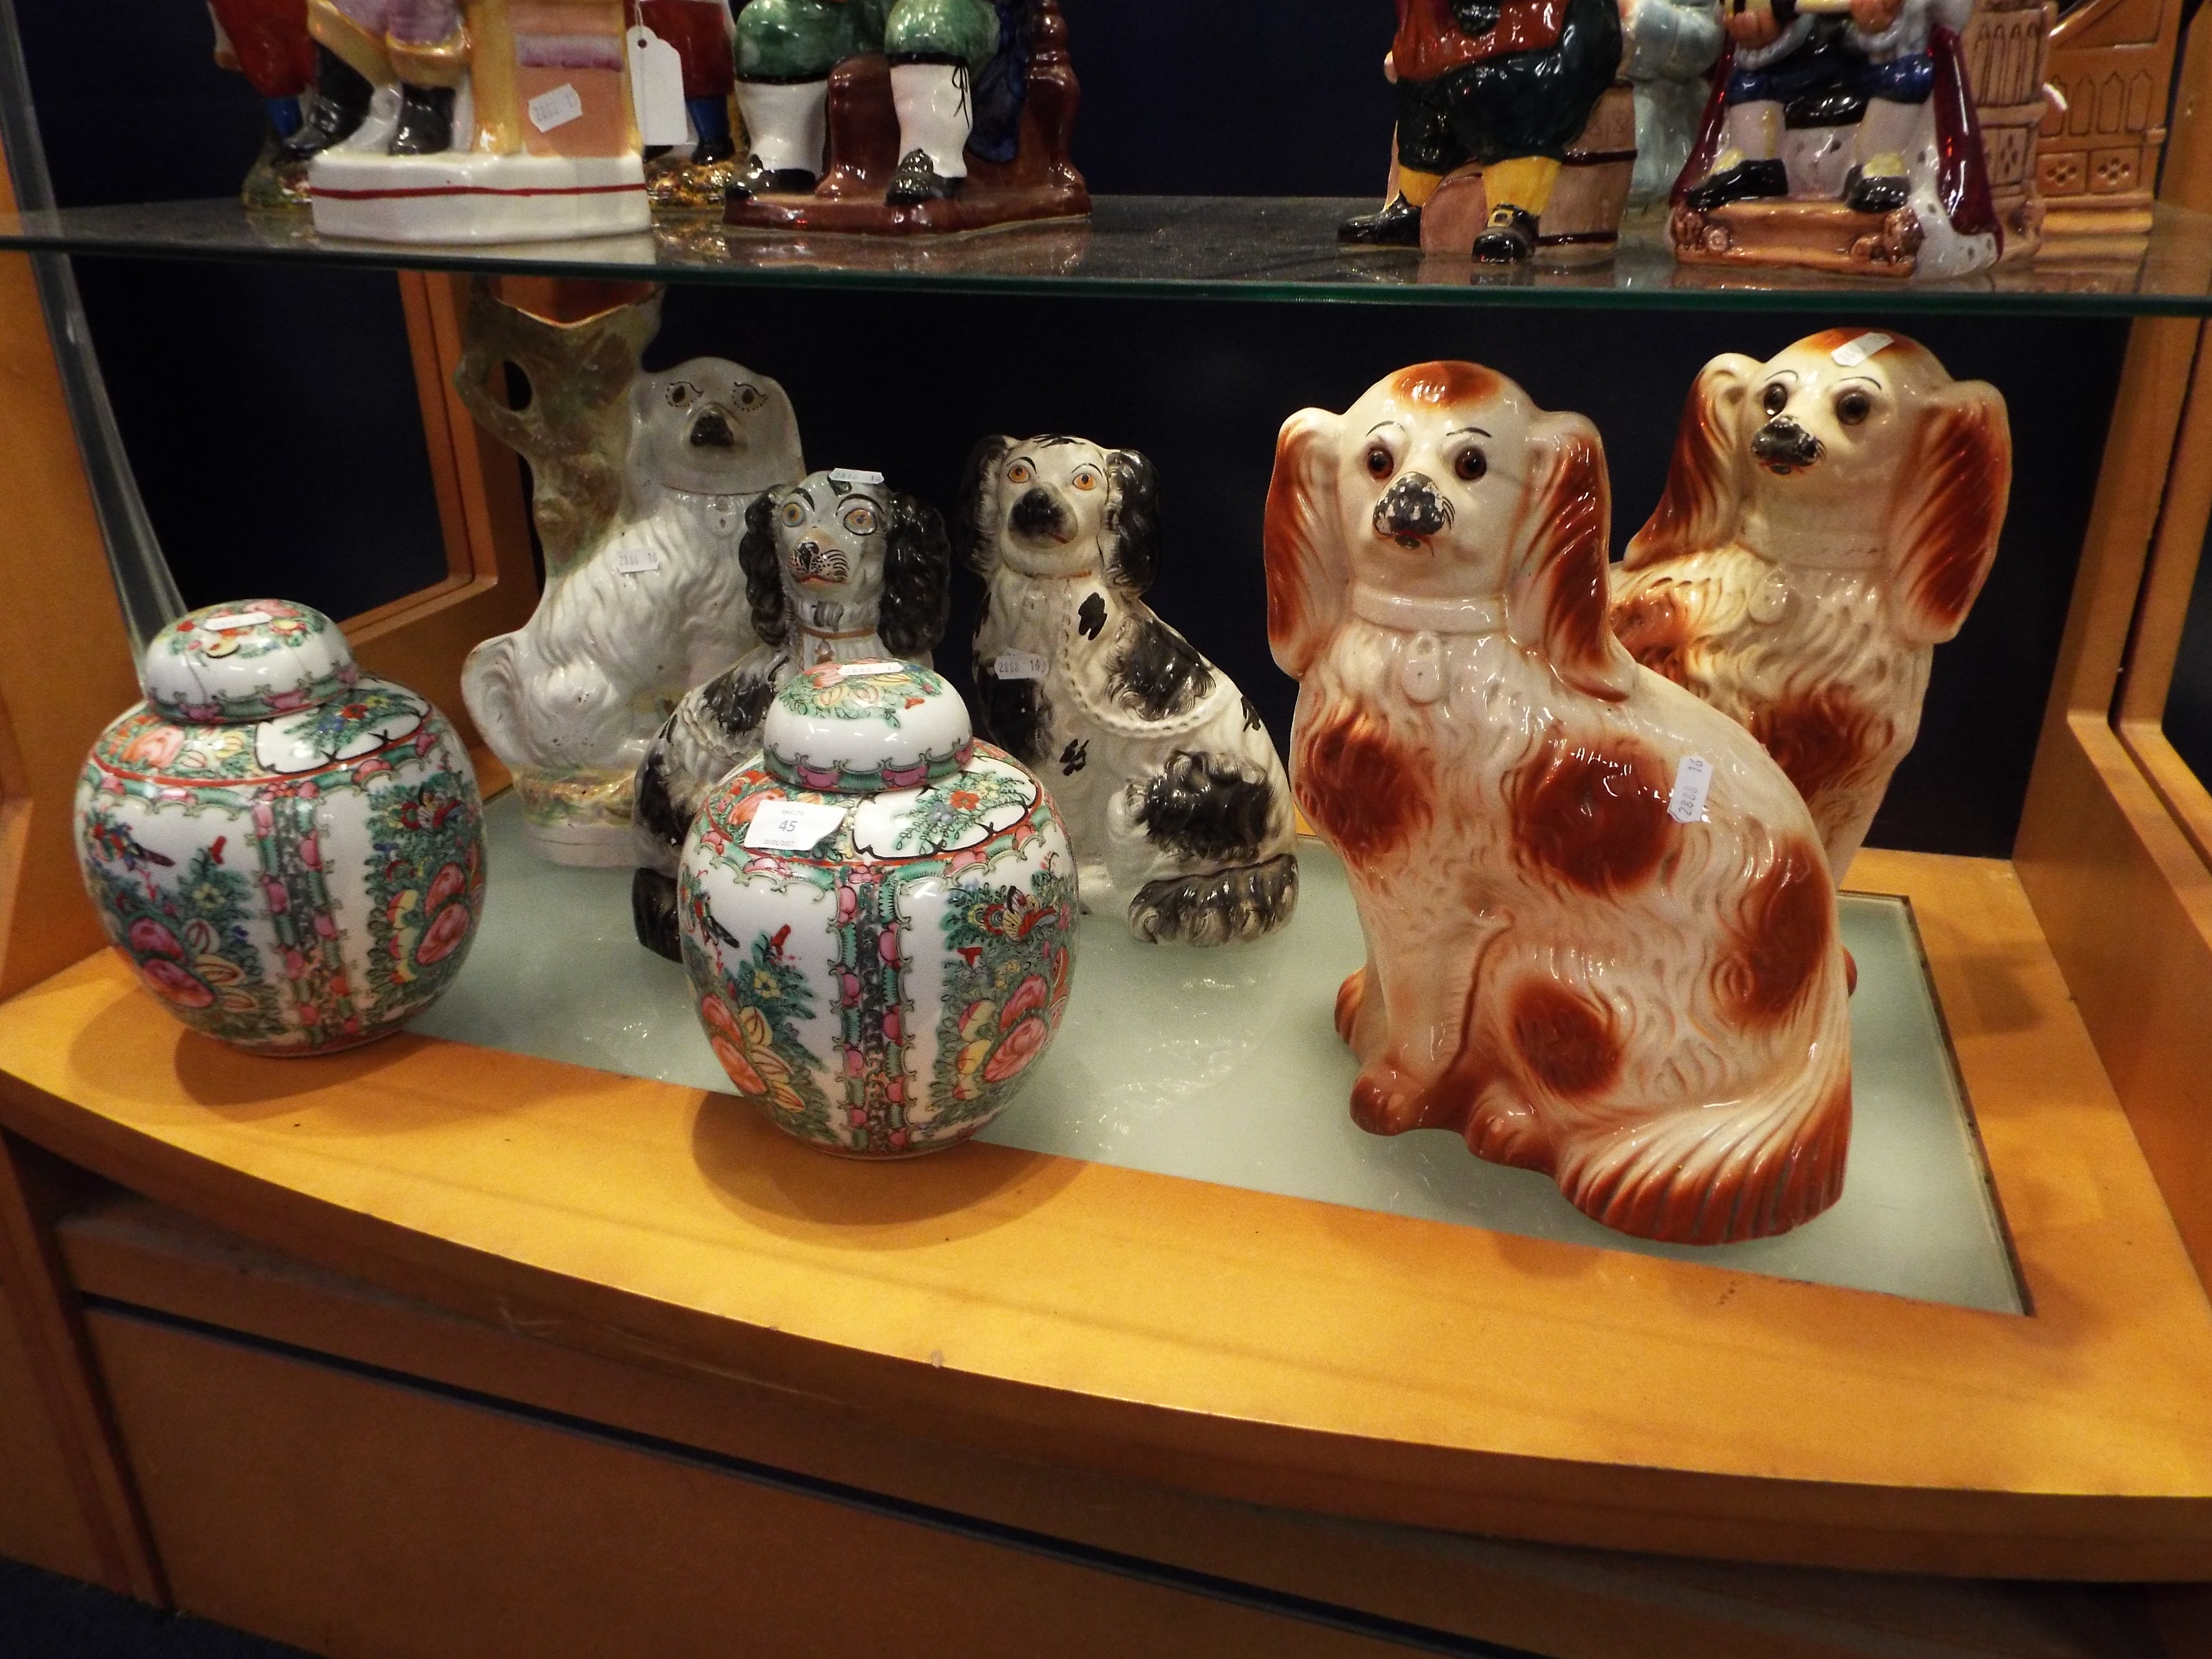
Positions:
{"x": 656, "y": 88}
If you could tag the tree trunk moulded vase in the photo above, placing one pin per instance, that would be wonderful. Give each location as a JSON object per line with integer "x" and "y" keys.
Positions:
{"x": 641, "y": 486}
{"x": 1600, "y": 934}
{"x": 290, "y": 853}
{"x": 1829, "y": 518}
{"x": 877, "y": 914}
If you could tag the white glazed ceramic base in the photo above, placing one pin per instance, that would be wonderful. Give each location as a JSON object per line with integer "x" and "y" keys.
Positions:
{"x": 1223, "y": 1066}
{"x": 458, "y": 197}
{"x": 583, "y": 846}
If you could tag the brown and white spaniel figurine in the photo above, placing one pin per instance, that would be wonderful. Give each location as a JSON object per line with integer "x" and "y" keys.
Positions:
{"x": 1828, "y": 519}
{"x": 1600, "y": 937}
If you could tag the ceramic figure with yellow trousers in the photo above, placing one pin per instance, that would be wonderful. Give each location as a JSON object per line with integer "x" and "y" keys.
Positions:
{"x": 1507, "y": 83}
{"x": 492, "y": 120}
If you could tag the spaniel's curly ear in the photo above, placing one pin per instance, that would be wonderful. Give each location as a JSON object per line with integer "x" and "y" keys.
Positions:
{"x": 976, "y": 518}
{"x": 1704, "y": 477}
{"x": 1557, "y": 600}
{"x": 1303, "y": 541}
{"x": 1950, "y": 507}
{"x": 764, "y": 567}
{"x": 1132, "y": 521}
{"x": 917, "y": 567}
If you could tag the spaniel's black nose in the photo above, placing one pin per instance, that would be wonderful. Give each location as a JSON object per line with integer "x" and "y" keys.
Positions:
{"x": 712, "y": 431}
{"x": 1039, "y": 514}
{"x": 1411, "y": 508}
{"x": 1783, "y": 446}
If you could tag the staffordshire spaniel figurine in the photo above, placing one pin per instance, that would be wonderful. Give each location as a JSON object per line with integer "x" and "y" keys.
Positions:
{"x": 838, "y": 569}
{"x": 1171, "y": 788}
{"x": 1828, "y": 519}
{"x": 1602, "y": 940}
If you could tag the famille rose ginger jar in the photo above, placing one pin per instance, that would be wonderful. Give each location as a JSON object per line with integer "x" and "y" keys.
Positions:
{"x": 877, "y": 914}
{"x": 289, "y": 852}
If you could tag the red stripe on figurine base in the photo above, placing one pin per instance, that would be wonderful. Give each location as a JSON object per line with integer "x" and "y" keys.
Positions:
{"x": 323, "y": 194}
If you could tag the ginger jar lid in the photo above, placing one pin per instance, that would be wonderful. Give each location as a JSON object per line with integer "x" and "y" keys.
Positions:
{"x": 248, "y": 661}
{"x": 859, "y": 727}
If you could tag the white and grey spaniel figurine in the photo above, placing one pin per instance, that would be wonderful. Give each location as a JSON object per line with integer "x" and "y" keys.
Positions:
{"x": 838, "y": 568}
{"x": 1171, "y": 788}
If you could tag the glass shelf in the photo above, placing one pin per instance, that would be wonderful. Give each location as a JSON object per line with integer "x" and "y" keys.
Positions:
{"x": 1224, "y": 1066}
{"x": 1167, "y": 247}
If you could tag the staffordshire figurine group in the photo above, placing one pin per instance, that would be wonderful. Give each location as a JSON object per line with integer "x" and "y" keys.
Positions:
{"x": 1593, "y": 819}
{"x": 1874, "y": 138}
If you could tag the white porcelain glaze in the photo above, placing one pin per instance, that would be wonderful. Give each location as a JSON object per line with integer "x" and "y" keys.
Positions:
{"x": 882, "y": 989}
{"x": 299, "y": 866}
{"x": 1172, "y": 790}
{"x": 1570, "y": 963}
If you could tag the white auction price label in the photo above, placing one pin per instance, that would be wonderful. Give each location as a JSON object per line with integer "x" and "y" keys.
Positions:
{"x": 853, "y": 476}
{"x": 633, "y": 560}
{"x": 860, "y": 671}
{"x": 1853, "y": 352}
{"x": 556, "y": 108}
{"x": 1021, "y": 664}
{"x": 656, "y": 88}
{"x": 1693, "y": 781}
{"x": 791, "y": 826}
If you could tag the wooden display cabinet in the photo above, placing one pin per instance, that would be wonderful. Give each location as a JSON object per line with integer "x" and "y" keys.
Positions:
{"x": 428, "y": 1348}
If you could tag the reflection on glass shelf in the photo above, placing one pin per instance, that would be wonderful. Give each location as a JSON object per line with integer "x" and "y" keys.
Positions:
{"x": 1228, "y": 246}
{"x": 1223, "y": 1065}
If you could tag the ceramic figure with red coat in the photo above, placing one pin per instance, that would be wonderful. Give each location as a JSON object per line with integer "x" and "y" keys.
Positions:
{"x": 1507, "y": 83}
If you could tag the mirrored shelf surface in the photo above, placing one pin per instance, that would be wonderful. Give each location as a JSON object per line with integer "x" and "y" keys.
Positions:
{"x": 1224, "y": 1066}
{"x": 1253, "y": 248}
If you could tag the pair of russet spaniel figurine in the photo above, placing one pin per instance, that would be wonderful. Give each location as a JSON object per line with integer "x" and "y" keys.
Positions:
{"x": 1593, "y": 819}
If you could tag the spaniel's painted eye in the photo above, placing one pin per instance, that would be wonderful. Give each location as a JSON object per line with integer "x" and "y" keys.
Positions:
{"x": 860, "y": 520}
{"x": 678, "y": 394}
{"x": 749, "y": 396}
{"x": 1853, "y": 406}
{"x": 1084, "y": 477}
{"x": 1379, "y": 464}
{"x": 1470, "y": 464}
{"x": 1019, "y": 473}
{"x": 794, "y": 512}
{"x": 1776, "y": 399}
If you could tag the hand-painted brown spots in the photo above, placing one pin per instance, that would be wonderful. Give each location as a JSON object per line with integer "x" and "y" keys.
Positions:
{"x": 1592, "y": 815}
{"x": 1568, "y": 556}
{"x": 1358, "y": 785}
{"x": 1566, "y": 1039}
{"x": 1349, "y": 996}
{"x": 1444, "y": 384}
{"x": 1948, "y": 535}
{"x": 1779, "y": 939}
{"x": 1697, "y": 507}
{"x": 1654, "y": 626}
{"x": 1822, "y": 740}
{"x": 1290, "y": 522}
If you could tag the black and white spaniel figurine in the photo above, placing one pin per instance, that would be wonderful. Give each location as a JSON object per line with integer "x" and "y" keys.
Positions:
{"x": 838, "y": 568}
{"x": 1168, "y": 784}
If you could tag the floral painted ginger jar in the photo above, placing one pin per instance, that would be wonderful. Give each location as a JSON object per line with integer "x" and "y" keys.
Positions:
{"x": 877, "y": 914}
{"x": 290, "y": 853}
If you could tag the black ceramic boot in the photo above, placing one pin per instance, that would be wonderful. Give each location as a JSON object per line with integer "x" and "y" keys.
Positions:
{"x": 426, "y": 121}
{"x": 334, "y": 110}
{"x": 1509, "y": 239}
{"x": 1398, "y": 225}
{"x": 917, "y": 180}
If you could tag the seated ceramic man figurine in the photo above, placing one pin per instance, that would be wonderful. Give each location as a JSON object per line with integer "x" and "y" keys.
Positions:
{"x": 939, "y": 49}
{"x": 1509, "y": 83}
{"x": 426, "y": 44}
{"x": 1863, "y": 64}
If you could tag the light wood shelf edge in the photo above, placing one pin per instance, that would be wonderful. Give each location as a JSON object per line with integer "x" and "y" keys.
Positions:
{"x": 1237, "y": 1343}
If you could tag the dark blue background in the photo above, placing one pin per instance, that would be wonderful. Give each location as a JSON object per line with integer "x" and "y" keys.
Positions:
{"x": 271, "y": 412}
